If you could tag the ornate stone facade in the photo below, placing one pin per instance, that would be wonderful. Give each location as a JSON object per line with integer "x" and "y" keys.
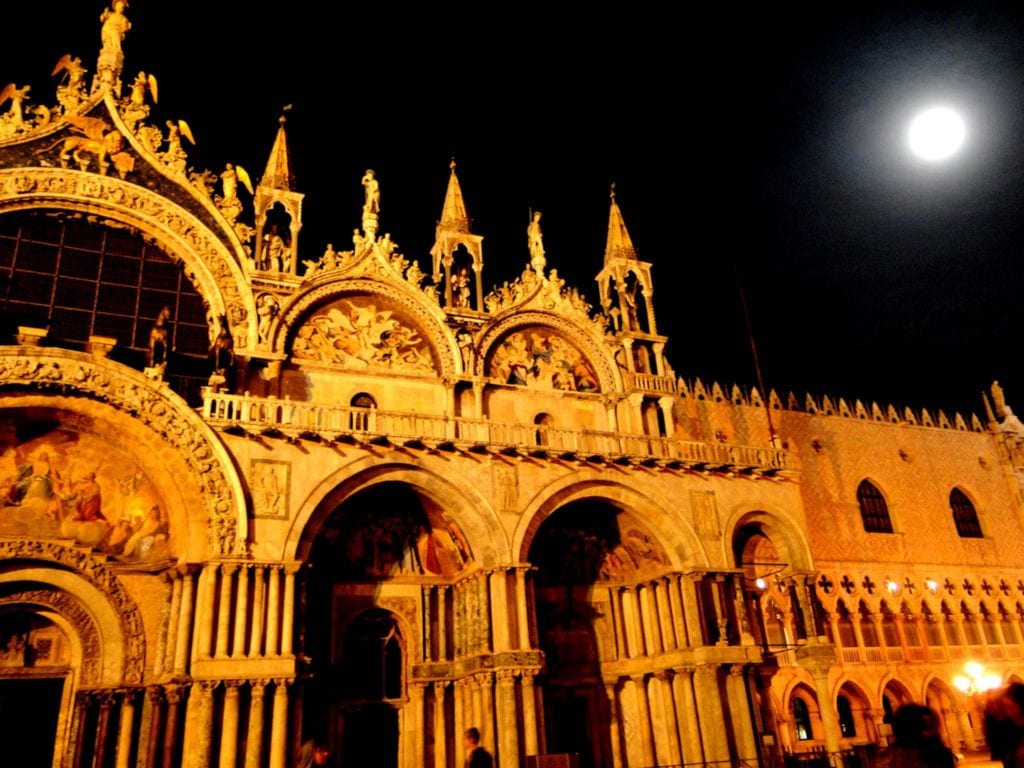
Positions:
{"x": 398, "y": 506}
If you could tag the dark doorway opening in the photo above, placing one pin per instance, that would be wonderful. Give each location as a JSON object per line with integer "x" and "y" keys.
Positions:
{"x": 28, "y": 719}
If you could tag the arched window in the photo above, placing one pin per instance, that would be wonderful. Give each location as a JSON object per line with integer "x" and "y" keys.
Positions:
{"x": 543, "y": 421}
{"x": 361, "y": 421}
{"x": 846, "y": 724}
{"x": 801, "y": 719}
{"x": 964, "y": 515}
{"x": 874, "y": 512}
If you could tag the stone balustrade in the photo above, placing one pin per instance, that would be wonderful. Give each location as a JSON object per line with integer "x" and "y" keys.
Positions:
{"x": 295, "y": 418}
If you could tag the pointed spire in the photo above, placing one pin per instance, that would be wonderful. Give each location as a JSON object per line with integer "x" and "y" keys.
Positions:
{"x": 620, "y": 244}
{"x": 279, "y": 173}
{"x": 453, "y": 213}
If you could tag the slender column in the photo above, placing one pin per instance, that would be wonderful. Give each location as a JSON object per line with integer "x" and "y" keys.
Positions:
{"x": 644, "y": 710}
{"x": 78, "y": 738}
{"x": 827, "y": 708}
{"x": 966, "y": 731}
{"x": 203, "y": 640}
{"x": 614, "y": 724}
{"x": 522, "y": 606}
{"x": 256, "y": 634}
{"x": 712, "y": 720}
{"x": 440, "y": 745}
{"x": 164, "y": 656}
{"x": 288, "y": 611}
{"x": 273, "y": 611}
{"x": 529, "y": 714}
{"x": 181, "y": 642}
{"x": 199, "y": 725}
{"x": 670, "y": 718}
{"x": 475, "y": 704}
{"x": 739, "y": 714}
{"x": 486, "y": 689}
{"x": 459, "y": 698}
{"x": 154, "y": 699}
{"x": 957, "y": 620}
{"x": 643, "y": 598}
{"x": 459, "y": 620}
{"x": 279, "y": 725}
{"x": 124, "y": 732}
{"x": 659, "y": 720}
{"x": 102, "y": 728}
{"x": 483, "y": 614}
{"x": 686, "y": 716}
{"x": 691, "y": 612}
{"x": 227, "y": 570}
{"x": 668, "y": 629}
{"x": 173, "y": 695}
{"x": 616, "y": 619}
{"x": 229, "y": 726}
{"x": 499, "y": 610}
{"x": 427, "y": 619}
{"x": 631, "y": 621}
{"x": 720, "y": 616}
{"x": 415, "y": 726}
{"x": 241, "y": 612}
{"x": 442, "y": 622}
{"x": 254, "y": 737}
{"x": 508, "y": 733}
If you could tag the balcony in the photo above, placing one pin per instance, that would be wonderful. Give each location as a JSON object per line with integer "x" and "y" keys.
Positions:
{"x": 293, "y": 419}
{"x": 648, "y": 382}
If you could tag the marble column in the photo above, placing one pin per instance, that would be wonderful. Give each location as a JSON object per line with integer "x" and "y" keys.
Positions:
{"x": 254, "y": 736}
{"x": 529, "y": 714}
{"x": 204, "y": 619}
{"x": 460, "y": 714}
{"x": 124, "y": 730}
{"x": 644, "y": 719}
{"x": 486, "y": 690}
{"x": 229, "y": 726}
{"x": 691, "y": 610}
{"x": 508, "y": 733}
{"x": 712, "y": 720}
{"x": 256, "y": 633}
{"x": 173, "y": 696}
{"x": 241, "y": 612}
{"x": 273, "y": 611}
{"x": 227, "y": 572}
{"x": 614, "y": 724}
{"x": 686, "y": 713}
{"x": 288, "y": 609}
{"x": 669, "y": 718}
{"x": 966, "y": 731}
{"x": 440, "y": 743}
{"x": 442, "y": 622}
{"x": 499, "y": 610}
{"x": 415, "y": 726}
{"x": 739, "y": 714}
{"x": 664, "y": 613}
{"x": 198, "y": 725}
{"x": 632, "y": 623}
{"x": 827, "y": 708}
{"x": 522, "y": 608}
{"x": 182, "y": 638}
{"x": 154, "y": 702}
{"x": 279, "y": 725}
{"x": 675, "y": 604}
{"x": 82, "y": 704}
{"x": 106, "y": 701}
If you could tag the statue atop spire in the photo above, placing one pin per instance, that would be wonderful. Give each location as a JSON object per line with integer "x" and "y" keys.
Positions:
{"x": 112, "y": 33}
{"x": 535, "y": 241}
{"x": 371, "y": 207}
{"x": 457, "y": 253}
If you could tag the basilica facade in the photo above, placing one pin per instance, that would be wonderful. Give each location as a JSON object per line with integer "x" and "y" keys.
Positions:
{"x": 254, "y": 499}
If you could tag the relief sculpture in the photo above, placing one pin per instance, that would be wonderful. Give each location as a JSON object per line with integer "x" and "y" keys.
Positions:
{"x": 542, "y": 359}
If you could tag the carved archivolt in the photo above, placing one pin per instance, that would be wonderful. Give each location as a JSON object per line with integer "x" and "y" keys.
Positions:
{"x": 209, "y": 264}
{"x": 581, "y": 340}
{"x": 422, "y": 319}
{"x": 157, "y": 408}
{"x": 72, "y": 610}
{"x": 100, "y": 576}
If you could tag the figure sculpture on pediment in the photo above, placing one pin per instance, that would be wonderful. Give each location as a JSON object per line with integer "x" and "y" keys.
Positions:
{"x": 14, "y": 119}
{"x": 266, "y": 311}
{"x": 372, "y": 186}
{"x": 115, "y": 27}
{"x": 159, "y": 341}
{"x": 460, "y": 288}
{"x": 535, "y": 241}
{"x": 70, "y": 92}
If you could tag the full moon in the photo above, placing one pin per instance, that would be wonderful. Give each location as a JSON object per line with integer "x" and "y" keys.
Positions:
{"x": 936, "y": 134}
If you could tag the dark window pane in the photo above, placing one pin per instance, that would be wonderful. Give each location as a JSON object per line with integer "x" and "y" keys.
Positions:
{"x": 123, "y": 243}
{"x": 119, "y": 299}
{"x": 6, "y": 251}
{"x": 82, "y": 235}
{"x": 77, "y": 294}
{"x": 37, "y": 257}
{"x": 118, "y": 269}
{"x": 76, "y": 263}
{"x": 70, "y": 324}
{"x": 112, "y": 325}
{"x": 874, "y": 511}
{"x": 160, "y": 274}
{"x": 151, "y": 302}
{"x": 31, "y": 288}
{"x": 965, "y": 517}
{"x": 41, "y": 229}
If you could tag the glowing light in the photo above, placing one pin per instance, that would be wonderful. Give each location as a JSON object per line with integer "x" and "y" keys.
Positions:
{"x": 892, "y": 586}
{"x": 976, "y": 679}
{"x": 761, "y": 583}
{"x": 932, "y": 584}
{"x": 936, "y": 134}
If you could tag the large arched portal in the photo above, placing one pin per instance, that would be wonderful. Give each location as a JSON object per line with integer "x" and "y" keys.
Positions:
{"x": 584, "y": 552}
{"x": 371, "y": 560}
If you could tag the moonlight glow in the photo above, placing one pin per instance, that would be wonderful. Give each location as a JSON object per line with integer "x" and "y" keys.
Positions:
{"x": 936, "y": 134}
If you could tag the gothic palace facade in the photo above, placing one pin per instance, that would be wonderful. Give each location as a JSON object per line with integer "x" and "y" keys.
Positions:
{"x": 402, "y": 505}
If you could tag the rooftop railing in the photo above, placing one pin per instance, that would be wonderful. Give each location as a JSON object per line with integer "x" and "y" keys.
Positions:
{"x": 294, "y": 418}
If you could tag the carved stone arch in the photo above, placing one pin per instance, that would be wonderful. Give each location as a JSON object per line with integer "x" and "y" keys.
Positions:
{"x": 429, "y": 319}
{"x": 467, "y": 507}
{"x": 96, "y": 596}
{"x": 71, "y": 616}
{"x": 586, "y": 343}
{"x": 849, "y": 681}
{"x": 26, "y": 379}
{"x": 675, "y": 535}
{"x": 211, "y": 265}
{"x": 778, "y": 527}
{"x": 890, "y": 679}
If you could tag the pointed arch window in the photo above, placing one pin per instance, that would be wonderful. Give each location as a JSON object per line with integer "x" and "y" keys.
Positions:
{"x": 801, "y": 720}
{"x": 874, "y": 512}
{"x": 847, "y": 726}
{"x": 362, "y": 420}
{"x": 964, "y": 515}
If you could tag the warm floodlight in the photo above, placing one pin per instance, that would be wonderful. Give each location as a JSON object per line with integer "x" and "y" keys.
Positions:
{"x": 936, "y": 134}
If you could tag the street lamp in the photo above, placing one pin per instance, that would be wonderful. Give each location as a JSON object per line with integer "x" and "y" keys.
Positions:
{"x": 976, "y": 679}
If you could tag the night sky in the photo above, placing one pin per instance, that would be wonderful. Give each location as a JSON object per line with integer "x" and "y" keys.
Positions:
{"x": 763, "y": 148}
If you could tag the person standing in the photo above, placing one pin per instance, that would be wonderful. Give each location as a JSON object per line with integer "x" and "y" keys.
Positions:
{"x": 477, "y": 757}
